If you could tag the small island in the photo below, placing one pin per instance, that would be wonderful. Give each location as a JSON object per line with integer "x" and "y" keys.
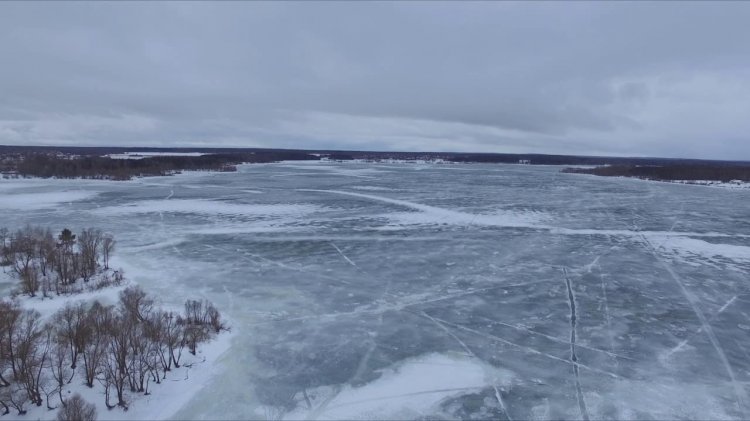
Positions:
{"x": 73, "y": 326}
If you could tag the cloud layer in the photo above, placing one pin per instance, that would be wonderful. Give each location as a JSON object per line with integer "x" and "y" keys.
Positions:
{"x": 616, "y": 78}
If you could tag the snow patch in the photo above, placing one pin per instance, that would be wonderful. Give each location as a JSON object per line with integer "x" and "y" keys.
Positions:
{"x": 413, "y": 388}
{"x": 686, "y": 247}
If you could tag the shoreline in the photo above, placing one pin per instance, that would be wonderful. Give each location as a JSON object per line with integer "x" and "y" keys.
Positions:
{"x": 743, "y": 186}
{"x": 163, "y": 401}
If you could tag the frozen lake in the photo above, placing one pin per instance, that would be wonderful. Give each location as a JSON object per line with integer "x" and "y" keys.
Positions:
{"x": 448, "y": 291}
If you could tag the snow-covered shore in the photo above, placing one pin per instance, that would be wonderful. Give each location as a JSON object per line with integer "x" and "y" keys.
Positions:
{"x": 733, "y": 184}
{"x": 163, "y": 400}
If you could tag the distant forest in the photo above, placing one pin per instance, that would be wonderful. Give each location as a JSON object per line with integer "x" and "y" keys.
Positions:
{"x": 90, "y": 162}
{"x": 49, "y": 164}
{"x": 721, "y": 173}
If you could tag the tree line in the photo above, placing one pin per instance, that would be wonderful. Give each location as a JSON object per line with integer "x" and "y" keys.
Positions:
{"x": 50, "y": 164}
{"x": 123, "y": 347}
{"x": 723, "y": 173}
{"x": 47, "y": 263}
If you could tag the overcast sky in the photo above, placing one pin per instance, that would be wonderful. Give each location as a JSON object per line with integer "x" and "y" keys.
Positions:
{"x": 614, "y": 78}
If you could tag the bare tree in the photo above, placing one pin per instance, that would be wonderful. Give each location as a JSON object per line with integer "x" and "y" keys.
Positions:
{"x": 107, "y": 378}
{"x": 16, "y": 397}
{"x": 59, "y": 368}
{"x": 214, "y": 318}
{"x": 31, "y": 347}
{"x": 194, "y": 312}
{"x": 108, "y": 246}
{"x": 77, "y": 409}
{"x": 89, "y": 243}
{"x": 99, "y": 318}
{"x": 45, "y": 248}
{"x": 5, "y": 400}
{"x": 155, "y": 329}
{"x": 30, "y": 280}
{"x": 4, "y": 234}
{"x": 173, "y": 335}
{"x": 116, "y": 364}
{"x": 22, "y": 256}
{"x": 9, "y": 312}
{"x": 73, "y": 329}
{"x": 139, "y": 358}
{"x": 194, "y": 334}
{"x": 135, "y": 303}
{"x": 10, "y": 320}
{"x": 65, "y": 260}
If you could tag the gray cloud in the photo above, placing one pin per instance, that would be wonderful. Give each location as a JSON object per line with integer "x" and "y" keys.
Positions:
{"x": 637, "y": 78}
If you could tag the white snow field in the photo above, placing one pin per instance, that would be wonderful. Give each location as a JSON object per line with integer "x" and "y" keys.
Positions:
{"x": 401, "y": 291}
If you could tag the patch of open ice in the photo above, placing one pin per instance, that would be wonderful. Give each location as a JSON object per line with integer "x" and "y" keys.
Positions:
{"x": 659, "y": 400}
{"x": 16, "y": 184}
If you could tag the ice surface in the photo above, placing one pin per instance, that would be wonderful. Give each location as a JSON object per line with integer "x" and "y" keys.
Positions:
{"x": 43, "y": 200}
{"x": 210, "y": 207}
{"x": 401, "y": 291}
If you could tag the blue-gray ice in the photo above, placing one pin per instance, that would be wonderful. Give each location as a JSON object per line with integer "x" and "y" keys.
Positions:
{"x": 450, "y": 291}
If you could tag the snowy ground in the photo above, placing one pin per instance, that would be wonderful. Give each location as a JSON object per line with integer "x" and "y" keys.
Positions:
{"x": 164, "y": 400}
{"x": 398, "y": 291}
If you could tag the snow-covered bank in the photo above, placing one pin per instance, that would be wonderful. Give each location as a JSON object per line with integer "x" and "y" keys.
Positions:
{"x": 180, "y": 386}
{"x": 734, "y": 184}
{"x": 73, "y": 326}
{"x": 163, "y": 400}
